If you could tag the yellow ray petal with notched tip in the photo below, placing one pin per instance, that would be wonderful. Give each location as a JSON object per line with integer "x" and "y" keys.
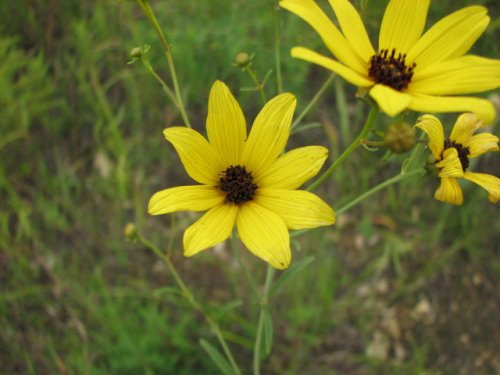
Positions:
{"x": 465, "y": 126}
{"x": 466, "y": 74}
{"x": 451, "y": 37}
{"x": 450, "y": 166}
{"x": 198, "y": 157}
{"x": 483, "y": 108}
{"x": 293, "y": 168}
{"x": 488, "y": 182}
{"x": 449, "y": 191}
{"x": 185, "y": 198}
{"x": 269, "y": 133}
{"x": 402, "y": 24}
{"x": 434, "y": 130}
{"x": 310, "y": 12}
{"x": 212, "y": 228}
{"x": 482, "y": 143}
{"x": 352, "y": 28}
{"x": 226, "y": 127}
{"x": 299, "y": 209}
{"x": 265, "y": 234}
{"x": 389, "y": 100}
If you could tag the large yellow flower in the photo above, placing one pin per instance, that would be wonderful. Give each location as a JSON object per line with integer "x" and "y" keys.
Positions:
{"x": 245, "y": 181}
{"x": 423, "y": 73}
{"x": 452, "y": 156}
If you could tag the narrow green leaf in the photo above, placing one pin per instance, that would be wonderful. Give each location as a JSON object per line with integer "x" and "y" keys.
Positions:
{"x": 217, "y": 357}
{"x": 224, "y": 309}
{"x": 289, "y": 273}
{"x": 268, "y": 332}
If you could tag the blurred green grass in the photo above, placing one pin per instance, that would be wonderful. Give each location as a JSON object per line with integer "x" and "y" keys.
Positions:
{"x": 81, "y": 152}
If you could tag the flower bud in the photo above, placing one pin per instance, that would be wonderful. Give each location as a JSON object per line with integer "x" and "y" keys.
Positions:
{"x": 130, "y": 232}
{"x": 400, "y": 137}
{"x": 242, "y": 59}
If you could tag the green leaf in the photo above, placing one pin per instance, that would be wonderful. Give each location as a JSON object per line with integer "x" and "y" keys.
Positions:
{"x": 224, "y": 309}
{"x": 289, "y": 273}
{"x": 268, "y": 332}
{"x": 217, "y": 357}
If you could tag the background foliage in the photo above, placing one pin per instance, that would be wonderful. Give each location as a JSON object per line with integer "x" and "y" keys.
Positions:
{"x": 400, "y": 285}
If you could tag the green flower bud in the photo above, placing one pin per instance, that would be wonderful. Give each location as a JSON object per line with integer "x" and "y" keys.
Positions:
{"x": 242, "y": 59}
{"x": 400, "y": 137}
{"x": 130, "y": 232}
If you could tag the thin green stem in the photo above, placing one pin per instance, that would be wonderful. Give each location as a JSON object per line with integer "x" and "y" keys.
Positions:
{"x": 313, "y": 101}
{"x": 358, "y": 141}
{"x": 236, "y": 252}
{"x": 148, "y": 11}
{"x": 164, "y": 86}
{"x": 258, "y": 85}
{"x": 186, "y": 293}
{"x": 379, "y": 187}
{"x": 277, "y": 44}
{"x": 264, "y": 304}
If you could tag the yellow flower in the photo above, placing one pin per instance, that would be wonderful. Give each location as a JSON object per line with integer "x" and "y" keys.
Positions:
{"x": 423, "y": 73}
{"x": 245, "y": 181}
{"x": 452, "y": 156}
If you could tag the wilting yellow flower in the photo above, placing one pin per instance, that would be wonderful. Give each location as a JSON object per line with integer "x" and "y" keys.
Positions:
{"x": 452, "y": 156}
{"x": 245, "y": 181}
{"x": 423, "y": 73}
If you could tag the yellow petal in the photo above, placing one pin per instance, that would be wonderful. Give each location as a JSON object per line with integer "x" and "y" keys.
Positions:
{"x": 269, "y": 134}
{"x": 310, "y": 12}
{"x": 466, "y": 74}
{"x": 402, "y": 24}
{"x": 353, "y": 28}
{"x": 451, "y": 37}
{"x": 345, "y": 72}
{"x": 434, "y": 130}
{"x": 449, "y": 191}
{"x": 226, "y": 125}
{"x": 264, "y": 233}
{"x": 212, "y": 228}
{"x": 488, "y": 182}
{"x": 428, "y": 103}
{"x": 482, "y": 143}
{"x": 299, "y": 209}
{"x": 465, "y": 126}
{"x": 294, "y": 168}
{"x": 185, "y": 198}
{"x": 450, "y": 166}
{"x": 197, "y": 155}
{"x": 390, "y": 101}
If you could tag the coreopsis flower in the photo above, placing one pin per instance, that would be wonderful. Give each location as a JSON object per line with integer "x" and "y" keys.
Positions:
{"x": 452, "y": 156}
{"x": 424, "y": 73}
{"x": 245, "y": 182}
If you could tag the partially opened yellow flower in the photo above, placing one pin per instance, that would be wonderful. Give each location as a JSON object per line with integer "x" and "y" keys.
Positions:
{"x": 245, "y": 181}
{"x": 452, "y": 156}
{"x": 424, "y": 73}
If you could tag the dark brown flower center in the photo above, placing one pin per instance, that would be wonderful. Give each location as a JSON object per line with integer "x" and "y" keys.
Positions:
{"x": 238, "y": 184}
{"x": 463, "y": 152}
{"x": 390, "y": 69}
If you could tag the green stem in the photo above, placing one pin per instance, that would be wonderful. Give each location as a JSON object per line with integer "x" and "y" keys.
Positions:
{"x": 164, "y": 86}
{"x": 313, "y": 101}
{"x": 148, "y": 11}
{"x": 358, "y": 141}
{"x": 379, "y": 187}
{"x": 277, "y": 43}
{"x": 236, "y": 252}
{"x": 258, "y": 85}
{"x": 186, "y": 293}
{"x": 264, "y": 303}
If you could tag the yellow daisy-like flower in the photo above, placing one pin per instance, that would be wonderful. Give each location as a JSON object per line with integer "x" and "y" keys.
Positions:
{"x": 245, "y": 181}
{"x": 423, "y": 73}
{"x": 452, "y": 156}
